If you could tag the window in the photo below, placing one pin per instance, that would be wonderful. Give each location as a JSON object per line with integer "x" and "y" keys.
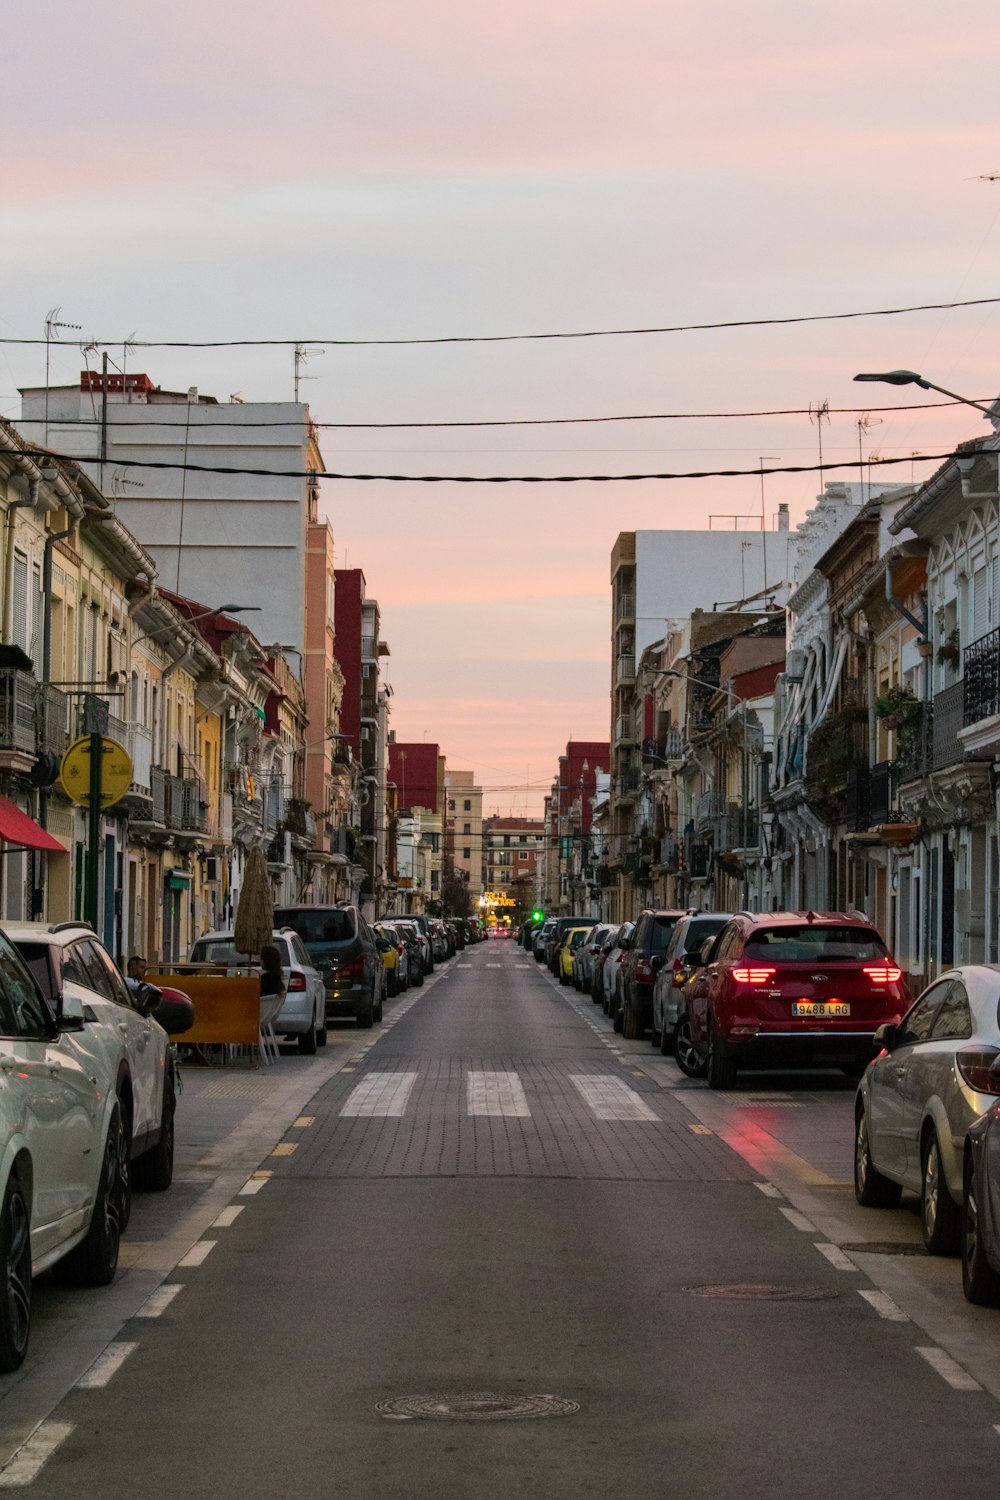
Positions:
{"x": 917, "y": 1023}
{"x": 466, "y": 827}
{"x": 506, "y": 840}
{"x": 466, "y": 853}
{"x": 451, "y": 805}
{"x": 522, "y": 854}
{"x": 113, "y": 984}
{"x": 467, "y": 806}
{"x": 954, "y": 1020}
{"x": 22, "y": 1009}
{"x": 813, "y": 944}
{"x": 523, "y": 839}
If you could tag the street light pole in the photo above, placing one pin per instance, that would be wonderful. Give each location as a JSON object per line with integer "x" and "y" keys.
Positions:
{"x": 910, "y": 377}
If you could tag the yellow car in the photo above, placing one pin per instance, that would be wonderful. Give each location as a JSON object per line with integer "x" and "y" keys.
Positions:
{"x": 572, "y": 939}
{"x": 388, "y": 943}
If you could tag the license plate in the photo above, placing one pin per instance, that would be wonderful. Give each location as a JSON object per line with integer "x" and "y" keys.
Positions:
{"x": 820, "y": 1008}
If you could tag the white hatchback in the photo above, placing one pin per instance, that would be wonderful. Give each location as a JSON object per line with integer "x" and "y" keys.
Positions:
{"x": 64, "y": 1179}
{"x": 302, "y": 1016}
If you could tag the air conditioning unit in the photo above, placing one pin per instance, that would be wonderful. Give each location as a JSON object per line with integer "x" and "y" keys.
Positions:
{"x": 795, "y": 665}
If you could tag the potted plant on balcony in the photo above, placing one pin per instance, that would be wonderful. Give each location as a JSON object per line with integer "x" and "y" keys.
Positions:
{"x": 950, "y": 649}
{"x": 898, "y": 705}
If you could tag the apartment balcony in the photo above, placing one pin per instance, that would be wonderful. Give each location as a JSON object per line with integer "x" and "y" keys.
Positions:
{"x": 53, "y": 719}
{"x": 981, "y": 683}
{"x": 736, "y": 828}
{"x": 915, "y": 745}
{"x": 140, "y": 749}
{"x": 194, "y": 804}
{"x": 711, "y": 807}
{"x": 296, "y": 814}
{"x": 624, "y": 730}
{"x": 625, "y": 669}
{"x": 948, "y": 720}
{"x": 669, "y": 854}
{"x": 625, "y": 609}
{"x": 18, "y": 698}
{"x": 880, "y": 798}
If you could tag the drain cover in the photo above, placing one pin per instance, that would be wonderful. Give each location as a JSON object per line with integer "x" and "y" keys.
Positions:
{"x": 884, "y": 1247}
{"x": 762, "y": 1291}
{"x": 475, "y": 1406}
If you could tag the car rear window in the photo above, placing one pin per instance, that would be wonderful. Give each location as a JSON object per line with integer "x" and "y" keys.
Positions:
{"x": 222, "y": 951}
{"x": 811, "y": 944}
{"x": 700, "y": 929}
{"x": 321, "y": 925}
{"x": 660, "y": 936}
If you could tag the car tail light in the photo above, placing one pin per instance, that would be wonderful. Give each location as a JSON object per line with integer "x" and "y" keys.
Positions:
{"x": 354, "y": 968}
{"x": 296, "y": 982}
{"x": 643, "y": 970}
{"x": 678, "y": 965}
{"x": 978, "y": 1066}
{"x": 753, "y": 975}
{"x": 883, "y": 973}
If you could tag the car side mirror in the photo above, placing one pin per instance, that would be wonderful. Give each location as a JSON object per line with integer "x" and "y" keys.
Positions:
{"x": 69, "y": 1013}
{"x": 885, "y": 1036}
{"x": 147, "y": 998}
{"x": 656, "y": 962}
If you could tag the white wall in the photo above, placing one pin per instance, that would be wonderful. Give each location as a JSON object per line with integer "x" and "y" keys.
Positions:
{"x": 677, "y": 572}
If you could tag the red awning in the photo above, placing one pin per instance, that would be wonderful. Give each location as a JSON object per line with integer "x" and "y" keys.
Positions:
{"x": 17, "y": 828}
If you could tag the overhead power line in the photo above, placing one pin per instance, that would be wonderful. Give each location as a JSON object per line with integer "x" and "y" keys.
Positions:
{"x": 509, "y": 338}
{"x": 651, "y": 416}
{"x": 47, "y": 455}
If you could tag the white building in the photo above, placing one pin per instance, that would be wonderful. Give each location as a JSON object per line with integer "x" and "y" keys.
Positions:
{"x": 220, "y": 538}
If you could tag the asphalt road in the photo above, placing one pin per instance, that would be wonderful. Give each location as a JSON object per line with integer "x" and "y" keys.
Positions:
{"x": 495, "y": 1198}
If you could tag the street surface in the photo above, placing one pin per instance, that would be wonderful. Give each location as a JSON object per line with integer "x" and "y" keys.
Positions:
{"x": 493, "y": 1196}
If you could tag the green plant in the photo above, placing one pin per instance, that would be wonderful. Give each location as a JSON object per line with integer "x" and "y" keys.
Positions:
{"x": 897, "y": 702}
{"x": 950, "y": 649}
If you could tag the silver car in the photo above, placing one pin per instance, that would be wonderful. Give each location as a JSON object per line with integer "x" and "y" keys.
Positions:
{"x": 583, "y": 963}
{"x": 681, "y": 960}
{"x": 302, "y": 1017}
{"x": 611, "y": 964}
{"x": 919, "y": 1096}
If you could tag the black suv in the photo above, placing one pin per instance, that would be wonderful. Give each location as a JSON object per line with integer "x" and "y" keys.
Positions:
{"x": 345, "y": 951}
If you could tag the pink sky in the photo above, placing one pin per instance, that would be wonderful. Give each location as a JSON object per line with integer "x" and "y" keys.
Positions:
{"x": 296, "y": 170}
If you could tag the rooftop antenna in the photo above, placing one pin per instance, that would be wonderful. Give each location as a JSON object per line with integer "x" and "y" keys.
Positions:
{"x": 819, "y": 412}
{"x": 303, "y": 352}
{"x": 864, "y": 423}
{"x": 52, "y": 324}
{"x": 120, "y": 482}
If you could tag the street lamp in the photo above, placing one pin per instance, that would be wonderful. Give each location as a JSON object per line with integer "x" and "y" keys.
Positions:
{"x": 220, "y": 609}
{"x": 910, "y": 377}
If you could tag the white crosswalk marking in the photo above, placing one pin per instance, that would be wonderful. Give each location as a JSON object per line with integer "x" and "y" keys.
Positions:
{"x": 496, "y": 1094}
{"x": 380, "y": 1094}
{"x": 610, "y": 1098}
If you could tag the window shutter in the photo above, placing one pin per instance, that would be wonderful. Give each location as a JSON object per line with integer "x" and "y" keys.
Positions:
{"x": 20, "y": 604}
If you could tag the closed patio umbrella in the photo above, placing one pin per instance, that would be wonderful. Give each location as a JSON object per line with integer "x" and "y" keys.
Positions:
{"x": 255, "y": 909}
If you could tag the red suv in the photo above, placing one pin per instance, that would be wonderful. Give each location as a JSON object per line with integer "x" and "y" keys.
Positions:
{"x": 800, "y": 989}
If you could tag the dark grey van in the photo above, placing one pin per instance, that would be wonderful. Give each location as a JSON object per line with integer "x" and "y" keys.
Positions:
{"x": 344, "y": 949}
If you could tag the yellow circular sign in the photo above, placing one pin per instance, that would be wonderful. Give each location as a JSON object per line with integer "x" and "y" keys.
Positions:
{"x": 116, "y": 771}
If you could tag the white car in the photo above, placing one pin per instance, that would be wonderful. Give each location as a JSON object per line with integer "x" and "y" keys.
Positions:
{"x": 68, "y": 959}
{"x": 302, "y": 1017}
{"x": 64, "y": 1178}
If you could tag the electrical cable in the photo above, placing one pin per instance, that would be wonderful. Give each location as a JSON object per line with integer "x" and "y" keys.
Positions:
{"x": 47, "y": 455}
{"x": 507, "y": 338}
{"x": 652, "y": 416}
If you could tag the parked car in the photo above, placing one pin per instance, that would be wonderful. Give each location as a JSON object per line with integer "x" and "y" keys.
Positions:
{"x": 797, "y": 989}
{"x": 540, "y": 940}
{"x": 597, "y": 972}
{"x": 65, "y": 1190}
{"x": 587, "y": 953}
{"x": 341, "y": 945}
{"x": 619, "y": 946}
{"x": 302, "y": 1016}
{"x": 439, "y": 941}
{"x": 918, "y": 1099}
{"x": 423, "y": 925}
{"x": 981, "y": 1204}
{"x": 681, "y": 962}
{"x": 639, "y": 967}
{"x": 69, "y": 957}
{"x": 571, "y": 940}
{"x": 417, "y": 947}
{"x": 394, "y": 958}
{"x": 554, "y": 940}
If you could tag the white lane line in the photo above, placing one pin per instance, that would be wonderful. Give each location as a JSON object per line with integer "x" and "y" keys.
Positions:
{"x": 610, "y": 1098}
{"x": 797, "y": 1220}
{"x": 769, "y": 1190}
{"x": 227, "y": 1217}
{"x": 494, "y": 966}
{"x": 158, "y": 1301}
{"x": 886, "y": 1308}
{"x": 383, "y": 1094}
{"x": 27, "y": 1462}
{"x": 493, "y": 1093}
{"x": 197, "y": 1253}
{"x": 837, "y": 1257}
{"x": 253, "y": 1186}
{"x": 949, "y": 1370}
{"x": 104, "y": 1366}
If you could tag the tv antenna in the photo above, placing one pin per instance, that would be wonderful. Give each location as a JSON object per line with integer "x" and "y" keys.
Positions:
{"x": 864, "y": 424}
{"x": 819, "y": 412}
{"x": 52, "y": 326}
{"x": 303, "y": 352}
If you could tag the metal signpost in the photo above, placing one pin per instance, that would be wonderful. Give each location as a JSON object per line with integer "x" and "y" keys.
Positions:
{"x": 95, "y": 772}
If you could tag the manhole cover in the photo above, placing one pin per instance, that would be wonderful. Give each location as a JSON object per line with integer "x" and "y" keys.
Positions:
{"x": 884, "y": 1247}
{"x": 762, "y": 1291}
{"x": 475, "y": 1406}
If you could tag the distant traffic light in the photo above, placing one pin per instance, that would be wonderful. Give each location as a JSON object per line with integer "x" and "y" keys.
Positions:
{"x": 538, "y": 916}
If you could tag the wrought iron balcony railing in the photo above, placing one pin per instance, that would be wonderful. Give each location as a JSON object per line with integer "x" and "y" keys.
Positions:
{"x": 981, "y": 682}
